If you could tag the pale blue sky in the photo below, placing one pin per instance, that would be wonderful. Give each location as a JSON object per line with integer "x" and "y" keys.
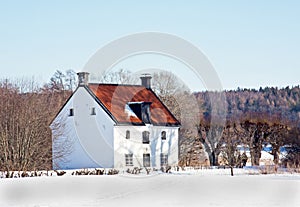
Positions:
{"x": 250, "y": 43}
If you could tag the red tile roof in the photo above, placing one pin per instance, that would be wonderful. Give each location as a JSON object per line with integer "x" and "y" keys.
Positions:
{"x": 114, "y": 98}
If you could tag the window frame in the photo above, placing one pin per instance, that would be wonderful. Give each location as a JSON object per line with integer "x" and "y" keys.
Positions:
{"x": 127, "y": 134}
{"x": 93, "y": 111}
{"x": 163, "y": 135}
{"x": 71, "y": 112}
{"x": 129, "y": 159}
{"x": 164, "y": 159}
{"x": 146, "y": 160}
{"x": 146, "y": 137}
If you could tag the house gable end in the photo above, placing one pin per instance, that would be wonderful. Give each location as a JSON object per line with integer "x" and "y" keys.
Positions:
{"x": 101, "y": 104}
{"x": 63, "y": 106}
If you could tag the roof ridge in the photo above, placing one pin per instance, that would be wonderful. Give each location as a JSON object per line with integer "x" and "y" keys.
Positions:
{"x": 116, "y": 84}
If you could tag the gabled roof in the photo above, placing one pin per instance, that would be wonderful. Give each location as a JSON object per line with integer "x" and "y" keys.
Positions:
{"x": 115, "y": 97}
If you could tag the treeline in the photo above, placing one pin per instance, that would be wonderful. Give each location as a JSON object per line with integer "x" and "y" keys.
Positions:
{"x": 250, "y": 119}
{"x": 284, "y": 102}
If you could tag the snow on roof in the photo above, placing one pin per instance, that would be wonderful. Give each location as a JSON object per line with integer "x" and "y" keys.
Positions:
{"x": 129, "y": 112}
{"x": 266, "y": 156}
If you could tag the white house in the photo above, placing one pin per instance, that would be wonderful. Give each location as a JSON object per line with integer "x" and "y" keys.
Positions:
{"x": 114, "y": 126}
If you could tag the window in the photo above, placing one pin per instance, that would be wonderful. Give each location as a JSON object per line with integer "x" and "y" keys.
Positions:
{"x": 129, "y": 159}
{"x": 127, "y": 134}
{"x": 71, "y": 112}
{"x": 163, "y": 159}
{"x": 146, "y": 137}
{"x": 163, "y": 135}
{"x": 93, "y": 111}
{"x": 146, "y": 160}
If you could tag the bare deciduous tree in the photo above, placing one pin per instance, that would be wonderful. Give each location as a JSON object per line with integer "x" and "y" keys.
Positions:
{"x": 71, "y": 80}
{"x": 25, "y": 115}
{"x": 210, "y": 126}
{"x": 121, "y": 76}
{"x": 231, "y": 156}
{"x": 209, "y": 135}
{"x": 62, "y": 81}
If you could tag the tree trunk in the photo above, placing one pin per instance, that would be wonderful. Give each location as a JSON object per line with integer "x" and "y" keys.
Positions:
{"x": 252, "y": 155}
{"x": 274, "y": 152}
{"x": 231, "y": 170}
{"x": 213, "y": 157}
{"x": 276, "y": 158}
{"x": 255, "y": 152}
{"x": 255, "y": 156}
{"x": 256, "y": 160}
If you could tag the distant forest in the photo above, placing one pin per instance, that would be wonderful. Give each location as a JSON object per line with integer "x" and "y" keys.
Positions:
{"x": 283, "y": 102}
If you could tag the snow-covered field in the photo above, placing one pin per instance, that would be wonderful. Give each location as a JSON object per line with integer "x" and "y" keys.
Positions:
{"x": 194, "y": 188}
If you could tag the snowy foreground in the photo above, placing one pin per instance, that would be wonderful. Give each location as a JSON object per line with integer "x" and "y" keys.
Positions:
{"x": 204, "y": 188}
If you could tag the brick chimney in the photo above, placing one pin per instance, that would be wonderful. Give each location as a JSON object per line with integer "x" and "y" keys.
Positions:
{"x": 83, "y": 78}
{"x": 146, "y": 80}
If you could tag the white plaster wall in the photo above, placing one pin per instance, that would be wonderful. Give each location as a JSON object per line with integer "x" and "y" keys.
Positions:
{"x": 91, "y": 136}
{"x": 135, "y": 145}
